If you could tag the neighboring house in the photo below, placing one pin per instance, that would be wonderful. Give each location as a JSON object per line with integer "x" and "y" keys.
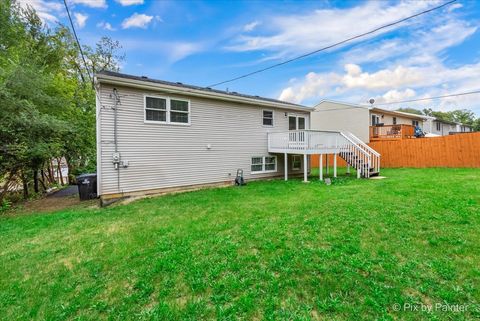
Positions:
{"x": 441, "y": 127}
{"x": 171, "y": 135}
{"x": 366, "y": 122}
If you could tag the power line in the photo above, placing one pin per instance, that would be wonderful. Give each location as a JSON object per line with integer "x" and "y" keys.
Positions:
{"x": 331, "y": 46}
{"x": 430, "y": 98}
{"x": 406, "y": 101}
{"x": 78, "y": 44}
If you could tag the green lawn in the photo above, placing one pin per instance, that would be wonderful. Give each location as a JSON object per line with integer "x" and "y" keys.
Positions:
{"x": 270, "y": 250}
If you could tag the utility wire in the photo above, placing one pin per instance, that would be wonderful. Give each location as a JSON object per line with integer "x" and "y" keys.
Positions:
{"x": 406, "y": 101}
{"x": 331, "y": 46}
{"x": 429, "y": 98}
{"x": 78, "y": 44}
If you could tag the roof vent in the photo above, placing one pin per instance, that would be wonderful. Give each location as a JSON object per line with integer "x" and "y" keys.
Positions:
{"x": 179, "y": 83}
{"x": 209, "y": 88}
{"x": 144, "y": 77}
{"x": 234, "y": 92}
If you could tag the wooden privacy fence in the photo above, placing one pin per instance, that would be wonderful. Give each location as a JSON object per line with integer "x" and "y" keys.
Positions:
{"x": 462, "y": 150}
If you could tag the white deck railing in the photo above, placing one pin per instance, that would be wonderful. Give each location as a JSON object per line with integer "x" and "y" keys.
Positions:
{"x": 353, "y": 150}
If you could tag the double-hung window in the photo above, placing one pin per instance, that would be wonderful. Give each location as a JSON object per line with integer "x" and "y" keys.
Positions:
{"x": 167, "y": 110}
{"x": 267, "y": 117}
{"x": 264, "y": 164}
{"x": 438, "y": 126}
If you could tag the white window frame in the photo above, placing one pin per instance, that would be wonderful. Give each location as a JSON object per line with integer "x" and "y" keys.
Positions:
{"x": 168, "y": 110}
{"x": 273, "y": 118}
{"x": 293, "y": 162}
{"x": 438, "y": 126}
{"x": 263, "y": 165}
{"x": 297, "y": 116}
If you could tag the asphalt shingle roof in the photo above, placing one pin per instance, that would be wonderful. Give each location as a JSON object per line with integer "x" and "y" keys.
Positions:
{"x": 193, "y": 87}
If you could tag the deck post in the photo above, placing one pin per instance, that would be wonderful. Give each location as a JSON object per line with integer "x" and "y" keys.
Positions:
{"x": 326, "y": 164}
{"x": 285, "y": 161}
{"x": 305, "y": 168}
{"x": 320, "y": 166}
{"x": 335, "y": 165}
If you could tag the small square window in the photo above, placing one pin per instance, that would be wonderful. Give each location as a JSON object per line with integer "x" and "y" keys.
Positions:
{"x": 268, "y": 118}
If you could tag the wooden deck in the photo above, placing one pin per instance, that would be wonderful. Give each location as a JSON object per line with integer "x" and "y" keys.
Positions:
{"x": 391, "y": 132}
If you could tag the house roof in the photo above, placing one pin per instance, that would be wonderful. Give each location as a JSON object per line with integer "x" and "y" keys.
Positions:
{"x": 399, "y": 113}
{"x": 192, "y": 90}
{"x": 375, "y": 109}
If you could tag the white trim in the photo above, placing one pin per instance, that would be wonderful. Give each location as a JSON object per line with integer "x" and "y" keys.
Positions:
{"x": 167, "y": 111}
{"x": 98, "y": 107}
{"x": 273, "y": 117}
{"x": 263, "y": 171}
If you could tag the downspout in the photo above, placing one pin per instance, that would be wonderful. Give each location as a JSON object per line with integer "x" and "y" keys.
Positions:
{"x": 116, "y": 154}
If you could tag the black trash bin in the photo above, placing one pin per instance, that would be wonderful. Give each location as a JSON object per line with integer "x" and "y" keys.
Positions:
{"x": 87, "y": 186}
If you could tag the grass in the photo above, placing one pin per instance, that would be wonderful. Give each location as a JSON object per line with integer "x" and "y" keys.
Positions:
{"x": 270, "y": 250}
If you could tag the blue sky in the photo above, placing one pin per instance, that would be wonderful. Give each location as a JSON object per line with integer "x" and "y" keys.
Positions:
{"x": 204, "y": 42}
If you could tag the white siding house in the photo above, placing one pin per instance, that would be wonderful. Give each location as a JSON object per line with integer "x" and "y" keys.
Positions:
{"x": 155, "y": 136}
{"x": 366, "y": 122}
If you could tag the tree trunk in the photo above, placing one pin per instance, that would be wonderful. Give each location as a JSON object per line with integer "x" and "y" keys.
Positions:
{"x": 59, "y": 167}
{"x": 71, "y": 169}
{"x": 5, "y": 186}
{"x": 25, "y": 186}
{"x": 35, "y": 180}
{"x": 42, "y": 174}
{"x": 50, "y": 171}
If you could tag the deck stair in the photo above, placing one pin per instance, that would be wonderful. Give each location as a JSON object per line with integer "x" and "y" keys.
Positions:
{"x": 360, "y": 156}
{"x": 354, "y": 151}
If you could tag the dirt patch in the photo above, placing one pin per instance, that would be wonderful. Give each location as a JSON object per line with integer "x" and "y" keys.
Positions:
{"x": 51, "y": 204}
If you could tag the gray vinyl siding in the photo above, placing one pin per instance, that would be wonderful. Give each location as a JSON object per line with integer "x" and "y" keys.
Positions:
{"x": 163, "y": 156}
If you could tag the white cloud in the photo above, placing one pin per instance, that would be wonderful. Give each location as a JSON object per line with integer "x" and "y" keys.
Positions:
{"x": 294, "y": 34}
{"x": 90, "y": 3}
{"x": 420, "y": 46}
{"x": 396, "y": 95}
{"x": 251, "y": 26}
{"x": 105, "y": 26}
{"x": 129, "y": 2}
{"x": 137, "y": 21}
{"x": 173, "y": 51}
{"x": 47, "y": 11}
{"x": 80, "y": 19}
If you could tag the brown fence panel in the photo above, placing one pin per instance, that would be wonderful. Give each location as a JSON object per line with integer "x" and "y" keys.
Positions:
{"x": 462, "y": 150}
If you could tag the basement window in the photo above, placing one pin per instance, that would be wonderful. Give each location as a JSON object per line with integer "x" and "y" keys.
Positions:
{"x": 167, "y": 110}
{"x": 296, "y": 162}
{"x": 268, "y": 117}
{"x": 263, "y": 164}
